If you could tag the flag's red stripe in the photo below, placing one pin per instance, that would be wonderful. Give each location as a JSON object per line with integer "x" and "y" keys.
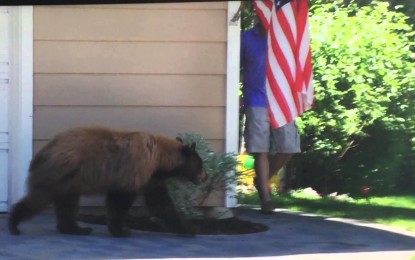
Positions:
{"x": 302, "y": 22}
{"x": 307, "y": 70}
{"x": 278, "y": 95}
{"x": 269, "y": 4}
{"x": 302, "y": 17}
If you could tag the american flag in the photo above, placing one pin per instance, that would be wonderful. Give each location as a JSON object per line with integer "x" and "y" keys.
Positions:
{"x": 289, "y": 71}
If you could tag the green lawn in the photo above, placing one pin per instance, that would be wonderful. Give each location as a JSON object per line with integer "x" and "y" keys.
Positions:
{"x": 396, "y": 211}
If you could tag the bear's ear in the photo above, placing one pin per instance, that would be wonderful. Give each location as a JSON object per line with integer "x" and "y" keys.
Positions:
{"x": 193, "y": 146}
{"x": 189, "y": 149}
{"x": 179, "y": 139}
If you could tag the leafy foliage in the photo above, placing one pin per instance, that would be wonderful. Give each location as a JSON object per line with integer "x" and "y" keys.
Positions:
{"x": 364, "y": 80}
{"x": 221, "y": 169}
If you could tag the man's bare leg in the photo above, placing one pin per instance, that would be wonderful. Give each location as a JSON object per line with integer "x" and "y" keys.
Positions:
{"x": 262, "y": 167}
{"x": 277, "y": 161}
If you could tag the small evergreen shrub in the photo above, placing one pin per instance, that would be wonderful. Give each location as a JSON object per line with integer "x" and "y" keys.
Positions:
{"x": 221, "y": 169}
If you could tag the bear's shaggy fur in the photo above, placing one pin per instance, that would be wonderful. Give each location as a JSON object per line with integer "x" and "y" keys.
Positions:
{"x": 100, "y": 160}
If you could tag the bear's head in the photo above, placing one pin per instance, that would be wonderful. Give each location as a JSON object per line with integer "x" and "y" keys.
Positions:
{"x": 193, "y": 166}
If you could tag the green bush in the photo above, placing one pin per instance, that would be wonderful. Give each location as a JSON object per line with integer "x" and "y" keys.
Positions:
{"x": 221, "y": 169}
{"x": 361, "y": 129}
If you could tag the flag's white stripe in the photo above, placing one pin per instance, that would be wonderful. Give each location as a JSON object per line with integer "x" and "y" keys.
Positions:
{"x": 289, "y": 13}
{"x": 304, "y": 46}
{"x": 300, "y": 97}
{"x": 264, "y": 9}
{"x": 309, "y": 99}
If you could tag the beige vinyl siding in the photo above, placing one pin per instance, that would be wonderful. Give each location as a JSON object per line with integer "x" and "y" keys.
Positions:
{"x": 151, "y": 67}
{"x": 129, "y": 57}
{"x": 130, "y": 90}
{"x": 135, "y": 23}
{"x": 152, "y": 119}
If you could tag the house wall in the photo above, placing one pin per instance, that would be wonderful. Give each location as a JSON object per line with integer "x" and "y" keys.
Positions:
{"x": 151, "y": 67}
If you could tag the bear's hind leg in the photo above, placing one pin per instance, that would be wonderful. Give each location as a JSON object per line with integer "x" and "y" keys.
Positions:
{"x": 26, "y": 208}
{"x": 66, "y": 207}
{"x": 118, "y": 204}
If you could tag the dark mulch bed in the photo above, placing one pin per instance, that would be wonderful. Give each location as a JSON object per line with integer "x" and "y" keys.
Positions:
{"x": 207, "y": 226}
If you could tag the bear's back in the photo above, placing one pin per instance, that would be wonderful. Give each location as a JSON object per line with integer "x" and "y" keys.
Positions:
{"x": 97, "y": 157}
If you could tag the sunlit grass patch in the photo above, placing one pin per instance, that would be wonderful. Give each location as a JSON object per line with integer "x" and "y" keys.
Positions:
{"x": 392, "y": 201}
{"x": 398, "y": 211}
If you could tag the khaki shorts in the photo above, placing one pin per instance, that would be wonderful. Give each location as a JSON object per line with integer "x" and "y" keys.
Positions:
{"x": 259, "y": 137}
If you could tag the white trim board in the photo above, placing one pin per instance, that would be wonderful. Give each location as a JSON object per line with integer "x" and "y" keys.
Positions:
{"x": 5, "y": 43}
{"x": 232, "y": 89}
{"x": 20, "y": 100}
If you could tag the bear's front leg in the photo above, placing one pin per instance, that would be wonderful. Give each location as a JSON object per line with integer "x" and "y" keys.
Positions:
{"x": 118, "y": 204}
{"x": 66, "y": 209}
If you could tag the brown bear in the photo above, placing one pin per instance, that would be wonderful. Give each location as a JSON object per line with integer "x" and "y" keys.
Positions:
{"x": 101, "y": 160}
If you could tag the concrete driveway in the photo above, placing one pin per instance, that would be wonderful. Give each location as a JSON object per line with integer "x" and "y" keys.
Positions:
{"x": 291, "y": 236}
